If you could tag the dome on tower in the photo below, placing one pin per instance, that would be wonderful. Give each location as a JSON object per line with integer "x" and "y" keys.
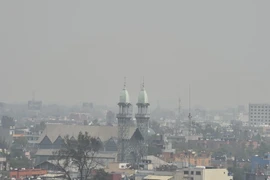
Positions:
{"x": 124, "y": 96}
{"x": 143, "y": 98}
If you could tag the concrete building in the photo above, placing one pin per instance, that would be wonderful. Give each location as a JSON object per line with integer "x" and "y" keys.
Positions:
{"x": 52, "y": 136}
{"x": 259, "y": 168}
{"x": 155, "y": 177}
{"x": 3, "y": 163}
{"x": 259, "y": 114}
{"x": 258, "y": 163}
{"x": 206, "y": 173}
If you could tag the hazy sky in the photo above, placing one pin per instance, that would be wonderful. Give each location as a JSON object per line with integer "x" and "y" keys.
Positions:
{"x": 75, "y": 51}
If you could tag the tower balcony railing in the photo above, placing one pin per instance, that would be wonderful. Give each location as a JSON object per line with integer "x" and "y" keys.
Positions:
{"x": 124, "y": 115}
{"x": 142, "y": 115}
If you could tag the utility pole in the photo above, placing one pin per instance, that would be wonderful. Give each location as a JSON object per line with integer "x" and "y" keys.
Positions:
{"x": 179, "y": 109}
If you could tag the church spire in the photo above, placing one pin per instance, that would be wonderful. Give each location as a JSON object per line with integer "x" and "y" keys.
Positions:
{"x": 124, "y": 95}
{"x": 125, "y": 83}
{"x": 143, "y": 83}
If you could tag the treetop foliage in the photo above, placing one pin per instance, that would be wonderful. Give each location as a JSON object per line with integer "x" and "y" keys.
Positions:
{"x": 80, "y": 154}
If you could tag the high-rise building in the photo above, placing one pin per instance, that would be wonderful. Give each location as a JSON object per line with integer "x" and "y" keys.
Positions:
{"x": 259, "y": 114}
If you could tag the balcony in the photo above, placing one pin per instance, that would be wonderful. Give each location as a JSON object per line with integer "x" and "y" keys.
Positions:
{"x": 142, "y": 115}
{"x": 119, "y": 116}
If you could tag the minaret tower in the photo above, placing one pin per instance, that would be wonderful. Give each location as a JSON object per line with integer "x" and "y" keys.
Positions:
{"x": 142, "y": 117}
{"x": 124, "y": 121}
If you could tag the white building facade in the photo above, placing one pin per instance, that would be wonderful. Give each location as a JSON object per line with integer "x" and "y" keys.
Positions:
{"x": 259, "y": 114}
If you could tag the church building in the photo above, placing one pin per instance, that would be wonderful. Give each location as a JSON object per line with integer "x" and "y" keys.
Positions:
{"x": 132, "y": 149}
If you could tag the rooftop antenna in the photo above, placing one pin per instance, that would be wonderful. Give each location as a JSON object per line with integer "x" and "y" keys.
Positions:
{"x": 143, "y": 82}
{"x": 189, "y": 127}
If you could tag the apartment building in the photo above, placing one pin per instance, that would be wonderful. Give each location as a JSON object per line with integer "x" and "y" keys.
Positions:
{"x": 259, "y": 114}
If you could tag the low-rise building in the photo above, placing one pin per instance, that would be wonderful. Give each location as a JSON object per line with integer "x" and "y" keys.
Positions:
{"x": 206, "y": 173}
{"x": 182, "y": 159}
{"x": 23, "y": 173}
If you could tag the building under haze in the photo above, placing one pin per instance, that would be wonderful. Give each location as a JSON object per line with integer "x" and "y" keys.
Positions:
{"x": 259, "y": 114}
{"x": 134, "y": 148}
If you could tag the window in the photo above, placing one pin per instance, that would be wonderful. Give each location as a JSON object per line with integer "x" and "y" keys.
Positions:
{"x": 198, "y": 172}
{"x": 185, "y": 172}
{"x": 192, "y": 172}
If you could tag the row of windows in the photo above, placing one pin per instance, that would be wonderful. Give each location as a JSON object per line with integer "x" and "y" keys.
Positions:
{"x": 254, "y": 106}
{"x": 259, "y": 113}
{"x": 259, "y": 120}
{"x": 260, "y": 124}
{"x": 192, "y": 172}
{"x": 260, "y": 116}
{"x": 259, "y": 109}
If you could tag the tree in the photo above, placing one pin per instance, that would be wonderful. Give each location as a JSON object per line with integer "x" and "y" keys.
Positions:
{"x": 42, "y": 125}
{"x": 3, "y": 144}
{"x": 263, "y": 148}
{"x": 80, "y": 154}
{"x": 238, "y": 173}
{"x": 7, "y": 122}
{"x": 85, "y": 122}
{"x": 20, "y": 142}
{"x": 257, "y": 138}
{"x": 20, "y": 162}
{"x": 39, "y": 127}
{"x": 110, "y": 117}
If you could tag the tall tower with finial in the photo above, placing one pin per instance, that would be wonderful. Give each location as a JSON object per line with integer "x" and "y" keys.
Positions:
{"x": 142, "y": 117}
{"x": 124, "y": 118}
{"x": 189, "y": 127}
